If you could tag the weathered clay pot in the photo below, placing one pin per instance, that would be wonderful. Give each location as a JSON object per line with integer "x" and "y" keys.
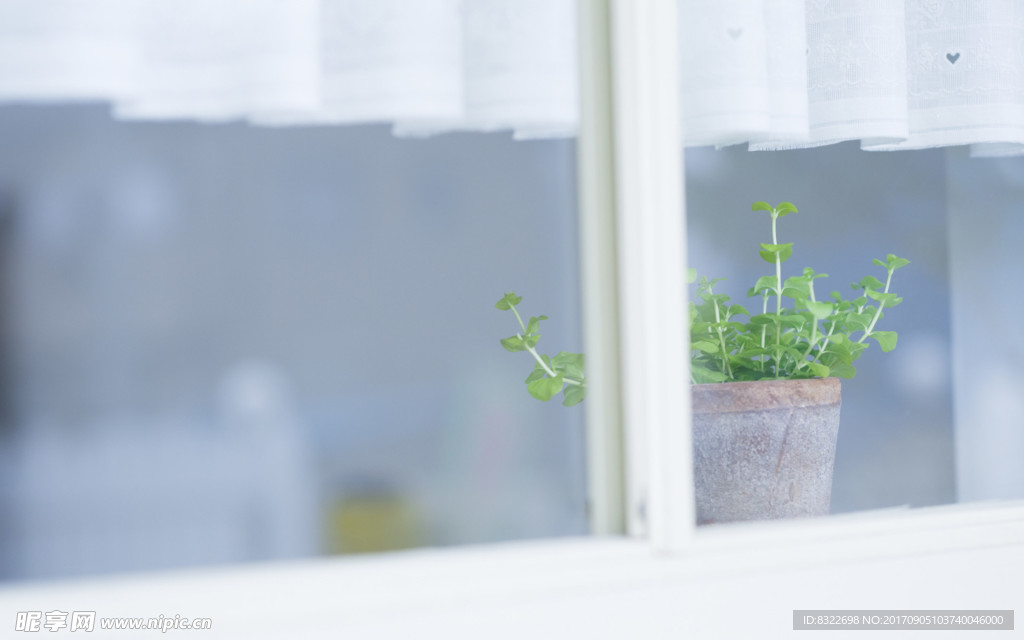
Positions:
{"x": 765, "y": 449}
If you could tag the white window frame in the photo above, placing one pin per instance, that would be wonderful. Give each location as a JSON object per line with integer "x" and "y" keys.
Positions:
{"x": 665, "y": 578}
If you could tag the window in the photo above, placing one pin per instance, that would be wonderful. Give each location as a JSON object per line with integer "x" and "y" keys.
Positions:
{"x": 227, "y": 343}
{"x": 916, "y": 464}
{"x": 716, "y": 583}
{"x": 981, "y": 200}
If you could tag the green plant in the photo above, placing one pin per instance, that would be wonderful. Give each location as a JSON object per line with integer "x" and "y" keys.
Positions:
{"x": 563, "y": 373}
{"x": 813, "y": 338}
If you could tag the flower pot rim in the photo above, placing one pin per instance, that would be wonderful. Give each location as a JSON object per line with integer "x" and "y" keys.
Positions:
{"x": 730, "y": 397}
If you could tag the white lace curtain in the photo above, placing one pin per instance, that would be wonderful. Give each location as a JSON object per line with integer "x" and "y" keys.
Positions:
{"x": 913, "y": 74}
{"x": 776, "y": 74}
{"x": 424, "y": 65}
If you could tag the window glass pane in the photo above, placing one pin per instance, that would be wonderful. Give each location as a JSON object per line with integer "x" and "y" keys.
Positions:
{"x": 896, "y": 436}
{"x": 227, "y": 343}
{"x": 985, "y": 229}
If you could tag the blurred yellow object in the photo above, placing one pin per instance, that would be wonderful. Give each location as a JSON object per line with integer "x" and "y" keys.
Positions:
{"x": 370, "y": 523}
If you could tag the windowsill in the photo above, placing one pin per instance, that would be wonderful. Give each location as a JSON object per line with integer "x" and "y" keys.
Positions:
{"x": 957, "y": 556}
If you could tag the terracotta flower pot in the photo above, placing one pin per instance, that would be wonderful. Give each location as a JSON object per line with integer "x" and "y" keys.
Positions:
{"x": 765, "y": 449}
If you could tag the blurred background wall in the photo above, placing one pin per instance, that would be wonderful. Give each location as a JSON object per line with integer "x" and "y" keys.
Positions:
{"x": 226, "y": 343}
{"x": 986, "y": 230}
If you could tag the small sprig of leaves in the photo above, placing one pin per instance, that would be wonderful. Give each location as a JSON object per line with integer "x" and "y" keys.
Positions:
{"x": 814, "y": 338}
{"x": 563, "y": 373}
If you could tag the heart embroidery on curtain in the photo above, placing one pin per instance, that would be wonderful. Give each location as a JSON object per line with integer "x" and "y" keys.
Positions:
{"x": 953, "y": 57}
{"x": 735, "y": 33}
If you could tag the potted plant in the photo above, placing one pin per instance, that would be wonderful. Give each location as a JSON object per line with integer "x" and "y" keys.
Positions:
{"x": 766, "y": 386}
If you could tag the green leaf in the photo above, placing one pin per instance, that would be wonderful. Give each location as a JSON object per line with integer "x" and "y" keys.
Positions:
{"x": 568, "y": 364}
{"x": 837, "y": 352}
{"x": 763, "y": 283}
{"x": 720, "y": 298}
{"x": 793, "y": 353}
{"x": 537, "y": 373}
{"x": 769, "y": 251}
{"x": 792, "y": 320}
{"x": 761, "y": 205}
{"x": 894, "y": 262}
{"x": 533, "y": 326}
{"x": 868, "y": 283}
{"x": 800, "y": 283}
{"x": 513, "y": 343}
{"x": 820, "y": 310}
{"x": 888, "y": 300}
{"x": 701, "y": 328}
{"x": 785, "y": 208}
{"x": 856, "y": 348}
{"x": 545, "y": 388}
{"x": 691, "y": 275}
{"x": 754, "y": 352}
{"x": 704, "y": 375}
{"x": 531, "y": 341}
{"x": 705, "y": 346}
{"x": 796, "y": 293}
{"x": 818, "y": 369}
{"x": 885, "y": 339}
{"x": 574, "y": 394}
{"x": 737, "y": 310}
{"x": 880, "y": 263}
{"x": 508, "y": 301}
{"x": 856, "y": 321}
{"x": 842, "y": 370}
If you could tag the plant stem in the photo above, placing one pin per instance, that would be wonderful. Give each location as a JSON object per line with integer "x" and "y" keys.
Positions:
{"x": 764, "y": 328}
{"x": 726, "y": 369}
{"x": 825, "y": 338}
{"x": 878, "y": 312}
{"x": 547, "y": 369}
{"x": 521, "y": 325}
{"x": 810, "y": 346}
{"x": 778, "y": 298}
{"x": 814, "y": 332}
{"x": 536, "y": 356}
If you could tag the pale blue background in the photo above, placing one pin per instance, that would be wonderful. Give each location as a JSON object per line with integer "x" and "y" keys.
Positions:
{"x": 212, "y": 334}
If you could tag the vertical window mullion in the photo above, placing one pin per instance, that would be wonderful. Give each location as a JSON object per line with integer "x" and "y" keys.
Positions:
{"x": 651, "y": 225}
{"x": 599, "y": 273}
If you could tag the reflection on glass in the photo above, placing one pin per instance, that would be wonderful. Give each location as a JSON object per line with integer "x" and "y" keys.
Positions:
{"x": 227, "y": 343}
